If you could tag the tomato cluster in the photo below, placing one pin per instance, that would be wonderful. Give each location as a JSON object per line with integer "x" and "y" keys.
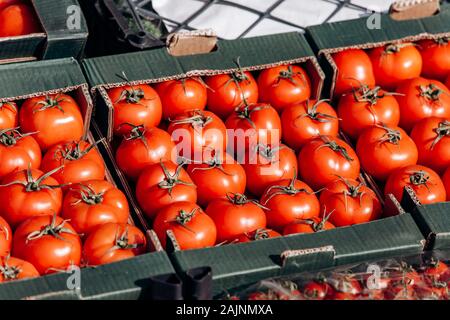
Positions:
{"x": 56, "y": 208}
{"x": 17, "y": 18}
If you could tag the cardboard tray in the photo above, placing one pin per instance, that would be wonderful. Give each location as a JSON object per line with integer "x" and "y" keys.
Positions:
{"x": 58, "y": 38}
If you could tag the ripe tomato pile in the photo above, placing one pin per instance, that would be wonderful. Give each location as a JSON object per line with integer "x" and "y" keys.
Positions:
{"x": 394, "y": 281}
{"x": 56, "y": 208}
{"x": 17, "y": 18}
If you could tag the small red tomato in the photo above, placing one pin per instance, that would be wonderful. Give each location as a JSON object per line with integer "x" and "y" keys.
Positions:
{"x": 284, "y": 85}
{"x": 432, "y": 137}
{"x": 192, "y": 228}
{"x": 323, "y": 158}
{"x": 446, "y": 180}
{"x": 311, "y": 225}
{"x": 354, "y": 69}
{"x": 382, "y": 149}
{"x": 235, "y": 215}
{"x": 307, "y": 120}
{"x": 258, "y": 234}
{"x": 426, "y": 184}
{"x": 9, "y": 116}
{"x": 5, "y": 238}
{"x": 111, "y": 242}
{"x": 144, "y": 147}
{"x": 180, "y": 96}
{"x": 436, "y": 58}
{"x": 317, "y": 290}
{"x": 228, "y": 92}
{"x": 287, "y": 201}
{"x": 16, "y": 269}
{"x": 135, "y": 105}
{"x": 395, "y": 63}
{"x": 349, "y": 202}
{"x": 365, "y": 107}
{"x": 17, "y": 20}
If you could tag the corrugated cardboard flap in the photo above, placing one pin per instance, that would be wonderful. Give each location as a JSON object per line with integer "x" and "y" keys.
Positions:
{"x": 434, "y": 220}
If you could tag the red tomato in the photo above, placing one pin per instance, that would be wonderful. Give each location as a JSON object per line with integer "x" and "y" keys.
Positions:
{"x": 47, "y": 242}
{"x": 435, "y": 271}
{"x": 17, "y": 152}
{"x": 426, "y": 184}
{"x": 92, "y": 203}
{"x": 161, "y": 184}
{"x": 382, "y": 149}
{"x": 9, "y": 116}
{"x": 6, "y": 3}
{"x": 284, "y": 85}
{"x": 112, "y": 242}
{"x": 287, "y": 201}
{"x": 314, "y": 224}
{"x": 253, "y": 124}
{"x": 267, "y": 165}
{"x": 432, "y": 137}
{"x": 16, "y": 269}
{"x": 421, "y": 98}
{"x": 55, "y": 118}
{"x": 135, "y": 105}
{"x": 349, "y": 202}
{"x": 228, "y": 91}
{"x": 258, "y": 234}
{"x": 365, "y": 107}
{"x": 317, "y": 290}
{"x": 5, "y": 238}
{"x": 323, "y": 158}
{"x": 436, "y": 58}
{"x": 18, "y": 20}
{"x": 29, "y": 193}
{"x": 192, "y": 228}
{"x": 217, "y": 177}
{"x": 307, "y": 120}
{"x": 236, "y": 215}
{"x": 197, "y": 134}
{"x": 446, "y": 180}
{"x": 81, "y": 161}
{"x": 180, "y": 96}
{"x": 354, "y": 68}
{"x": 142, "y": 148}
{"x": 395, "y": 63}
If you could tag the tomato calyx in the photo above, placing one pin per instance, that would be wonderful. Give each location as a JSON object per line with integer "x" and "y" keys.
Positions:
{"x": 316, "y": 226}
{"x": 136, "y": 132}
{"x": 258, "y": 234}
{"x": 391, "y": 135}
{"x": 291, "y": 190}
{"x": 172, "y": 180}
{"x": 122, "y": 242}
{"x": 51, "y": 229}
{"x": 431, "y": 92}
{"x": 239, "y": 75}
{"x": 197, "y": 120}
{"x": 72, "y": 151}
{"x": 244, "y": 112}
{"x": 8, "y": 105}
{"x": 89, "y": 196}
{"x": 241, "y": 199}
{"x": 9, "y": 272}
{"x": 418, "y": 178}
{"x": 32, "y": 185}
{"x": 49, "y": 103}
{"x": 329, "y": 143}
{"x": 313, "y": 114}
{"x": 371, "y": 96}
{"x": 132, "y": 95}
{"x": 9, "y": 137}
{"x": 214, "y": 162}
{"x": 442, "y": 41}
{"x": 443, "y": 130}
{"x": 396, "y": 47}
{"x": 352, "y": 191}
{"x": 289, "y": 74}
{"x": 268, "y": 152}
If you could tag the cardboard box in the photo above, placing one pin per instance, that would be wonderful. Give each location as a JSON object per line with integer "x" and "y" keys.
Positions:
{"x": 64, "y": 34}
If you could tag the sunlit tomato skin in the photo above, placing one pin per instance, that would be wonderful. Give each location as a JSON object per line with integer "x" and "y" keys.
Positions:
{"x": 7, "y": 3}
{"x": 12, "y": 269}
{"x": 446, "y": 180}
{"x": 9, "y": 115}
{"x": 267, "y": 165}
{"x": 135, "y": 105}
{"x": 382, "y": 149}
{"x": 307, "y": 120}
{"x": 315, "y": 290}
{"x": 353, "y": 69}
{"x": 18, "y": 20}
{"x": 81, "y": 160}
{"x": 112, "y": 242}
{"x": 5, "y": 238}
{"x": 436, "y": 58}
{"x": 258, "y": 234}
{"x": 284, "y": 85}
{"x": 432, "y": 137}
{"x": 322, "y": 159}
{"x": 395, "y": 63}
{"x": 253, "y": 124}
{"x": 92, "y": 203}
{"x": 228, "y": 90}
{"x": 425, "y": 182}
{"x": 18, "y": 152}
{"x": 311, "y": 225}
{"x": 24, "y": 194}
{"x": 288, "y": 201}
{"x": 217, "y": 178}
{"x": 192, "y": 228}
{"x": 162, "y": 184}
{"x": 365, "y": 107}
{"x": 235, "y": 216}
{"x": 55, "y": 118}
{"x": 144, "y": 147}
{"x": 49, "y": 243}
{"x": 198, "y": 134}
{"x": 180, "y": 96}
{"x": 421, "y": 98}
{"x": 349, "y": 202}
